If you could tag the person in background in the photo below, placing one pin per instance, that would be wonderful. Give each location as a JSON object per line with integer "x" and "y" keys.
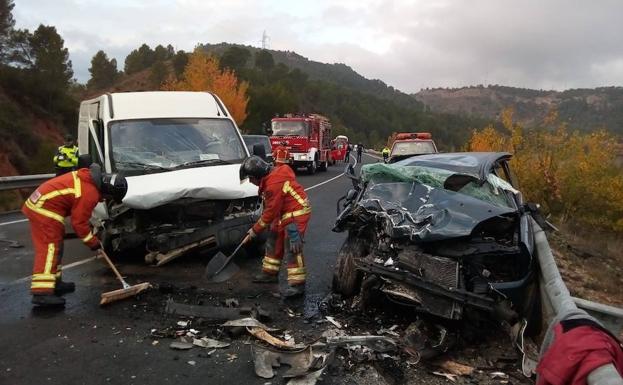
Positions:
{"x": 385, "y": 153}
{"x": 359, "y": 152}
{"x": 66, "y": 158}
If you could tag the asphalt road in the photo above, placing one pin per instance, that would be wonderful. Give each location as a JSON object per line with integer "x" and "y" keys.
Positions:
{"x": 87, "y": 344}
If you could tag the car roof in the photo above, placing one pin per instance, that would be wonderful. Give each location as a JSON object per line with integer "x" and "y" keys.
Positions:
{"x": 473, "y": 163}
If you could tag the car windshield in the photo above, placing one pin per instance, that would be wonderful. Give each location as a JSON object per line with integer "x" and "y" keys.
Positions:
{"x": 164, "y": 144}
{"x": 492, "y": 191}
{"x": 289, "y": 128}
{"x": 413, "y": 148}
{"x": 251, "y": 140}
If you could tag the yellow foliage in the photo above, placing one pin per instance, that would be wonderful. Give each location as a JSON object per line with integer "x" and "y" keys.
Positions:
{"x": 573, "y": 176}
{"x": 202, "y": 73}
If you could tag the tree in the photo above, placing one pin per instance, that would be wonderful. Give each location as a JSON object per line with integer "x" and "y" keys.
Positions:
{"x": 202, "y": 73}
{"x": 160, "y": 53}
{"x": 180, "y": 59}
{"x": 6, "y": 26}
{"x": 159, "y": 73}
{"x": 103, "y": 71}
{"x": 139, "y": 59}
{"x": 264, "y": 60}
{"x": 235, "y": 58}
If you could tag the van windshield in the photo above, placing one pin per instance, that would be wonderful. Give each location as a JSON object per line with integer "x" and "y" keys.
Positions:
{"x": 164, "y": 144}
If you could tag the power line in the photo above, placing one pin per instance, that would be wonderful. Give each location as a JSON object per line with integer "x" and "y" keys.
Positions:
{"x": 265, "y": 40}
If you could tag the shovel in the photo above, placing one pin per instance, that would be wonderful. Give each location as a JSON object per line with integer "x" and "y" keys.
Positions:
{"x": 221, "y": 268}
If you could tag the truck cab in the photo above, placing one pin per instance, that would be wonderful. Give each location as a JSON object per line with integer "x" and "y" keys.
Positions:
{"x": 180, "y": 153}
{"x": 409, "y": 144}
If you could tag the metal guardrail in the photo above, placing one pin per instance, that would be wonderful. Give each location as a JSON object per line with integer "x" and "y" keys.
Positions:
{"x": 23, "y": 181}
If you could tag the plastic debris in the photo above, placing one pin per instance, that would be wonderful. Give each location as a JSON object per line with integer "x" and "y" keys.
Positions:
{"x": 181, "y": 345}
{"x": 248, "y": 322}
{"x": 334, "y": 322}
{"x": 231, "y": 302}
{"x": 191, "y": 363}
{"x": 231, "y": 357}
{"x": 500, "y": 375}
{"x": 451, "y": 377}
{"x": 266, "y": 359}
{"x": 274, "y": 341}
{"x": 182, "y": 323}
{"x": 455, "y": 368}
{"x": 210, "y": 343}
{"x": 380, "y": 344}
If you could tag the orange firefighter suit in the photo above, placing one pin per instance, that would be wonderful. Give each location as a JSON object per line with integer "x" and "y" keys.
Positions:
{"x": 285, "y": 203}
{"x": 72, "y": 194}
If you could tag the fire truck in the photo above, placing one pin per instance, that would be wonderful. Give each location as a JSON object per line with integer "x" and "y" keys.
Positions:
{"x": 407, "y": 144}
{"x": 307, "y": 137}
{"x": 339, "y": 148}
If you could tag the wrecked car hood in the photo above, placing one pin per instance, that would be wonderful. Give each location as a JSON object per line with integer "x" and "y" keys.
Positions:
{"x": 213, "y": 182}
{"x": 419, "y": 202}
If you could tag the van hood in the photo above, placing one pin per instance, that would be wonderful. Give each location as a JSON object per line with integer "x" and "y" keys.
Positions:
{"x": 213, "y": 182}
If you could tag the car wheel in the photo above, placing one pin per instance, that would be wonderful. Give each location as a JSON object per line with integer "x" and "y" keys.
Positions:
{"x": 346, "y": 278}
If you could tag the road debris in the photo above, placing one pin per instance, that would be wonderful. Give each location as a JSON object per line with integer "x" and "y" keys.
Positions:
{"x": 455, "y": 368}
{"x": 451, "y": 377}
{"x": 191, "y": 363}
{"x": 263, "y": 335}
{"x": 248, "y": 323}
{"x": 182, "y": 323}
{"x": 265, "y": 360}
{"x": 231, "y": 302}
{"x": 334, "y": 322}
{"x": 379, "y": 344}
{"x": 500, "y": 375}
{"x": 232, "y": 357}
{"x": 210, "y": 343}
{"x": 209, "y": 313}
{"x": 181, "y": 345}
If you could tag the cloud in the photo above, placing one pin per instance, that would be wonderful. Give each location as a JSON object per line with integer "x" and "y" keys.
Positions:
{"x": 408, "y": 44}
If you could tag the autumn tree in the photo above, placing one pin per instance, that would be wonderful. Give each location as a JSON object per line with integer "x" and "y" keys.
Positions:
{"x": 103, "y": 71}
{"x": 202, "y": 73}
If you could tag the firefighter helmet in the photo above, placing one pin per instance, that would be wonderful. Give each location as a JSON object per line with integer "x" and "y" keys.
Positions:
{"x": 254, "y": 167}
{"x": 114, "y": 186}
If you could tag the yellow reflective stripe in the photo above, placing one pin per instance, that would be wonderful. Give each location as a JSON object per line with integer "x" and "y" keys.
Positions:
{"x": 44, "y": 212}
{"x": 77, "y": 184}
{"x": 288, "y": 189}
{"x": 88, "y": 237}
{"x": 272, "y": 261}
{"x": 42, "y": 285}
{"x": 43, "y": 277}
{"x": 296, "y": 213}
{"x": 266, "y": 266}
{"x": 54, "y": 194}
{"x": 261, "y": 223}
{"x": 49, "y": 259}
{"x": 296, "y": 271}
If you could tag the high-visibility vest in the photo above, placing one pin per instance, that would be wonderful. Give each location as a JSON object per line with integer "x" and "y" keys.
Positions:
{"x": 66, "y": 157}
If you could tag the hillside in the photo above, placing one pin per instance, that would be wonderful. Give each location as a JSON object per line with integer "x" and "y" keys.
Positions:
{"x": 336, "y": 73}
{"x": 583, "y": 109}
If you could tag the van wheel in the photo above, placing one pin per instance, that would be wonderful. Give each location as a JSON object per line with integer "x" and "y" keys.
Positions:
{"x": 346, "y": 278}
{"x": 312, "y": 167}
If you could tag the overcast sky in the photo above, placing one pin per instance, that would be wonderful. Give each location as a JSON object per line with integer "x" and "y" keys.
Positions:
{"x": 544, "y": 44}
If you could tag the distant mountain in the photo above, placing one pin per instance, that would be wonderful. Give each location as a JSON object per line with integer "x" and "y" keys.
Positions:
{"x": 337, "y": 73}
{"x": 583, "y": 109}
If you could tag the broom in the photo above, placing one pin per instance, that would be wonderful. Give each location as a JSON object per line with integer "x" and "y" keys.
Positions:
{"x": 127, "y": 291}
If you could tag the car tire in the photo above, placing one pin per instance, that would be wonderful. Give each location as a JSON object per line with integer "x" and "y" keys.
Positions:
{"x": 346, "y": 277}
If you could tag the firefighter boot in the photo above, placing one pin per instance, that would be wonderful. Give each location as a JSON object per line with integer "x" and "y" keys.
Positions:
{"x": 63, "y": 287}
{"x": 48, "y": 300}
{"x": 294, "y": 291}
{"x": 262, "y": 277}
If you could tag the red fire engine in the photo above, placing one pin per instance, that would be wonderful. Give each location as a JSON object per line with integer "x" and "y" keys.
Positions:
{"x": 407, "y": 144}
{"x": 307, "y": 137}
{"x": 339, "y": 147}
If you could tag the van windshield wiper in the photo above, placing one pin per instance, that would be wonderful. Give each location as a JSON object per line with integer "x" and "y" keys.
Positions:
{"x": 143, "y": 166}
{"x": 203, "y": 162}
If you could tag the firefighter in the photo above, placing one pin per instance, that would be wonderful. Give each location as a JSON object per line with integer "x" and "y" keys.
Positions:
{"x": 359, "y": 152}
{"x": 66, "y": 158}
{"x": 385, "y": 153}
{"x": 72, "y": 194}
{"x": 286, "y": 203}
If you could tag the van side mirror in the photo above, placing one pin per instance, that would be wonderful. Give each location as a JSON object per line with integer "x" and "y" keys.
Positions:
{"x": 259, "y": 150}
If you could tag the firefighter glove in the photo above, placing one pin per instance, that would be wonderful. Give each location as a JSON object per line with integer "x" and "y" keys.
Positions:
{"x": 296, "y": 242}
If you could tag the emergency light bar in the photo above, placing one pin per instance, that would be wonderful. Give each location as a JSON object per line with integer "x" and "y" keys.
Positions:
{"x": 413, "y": 135}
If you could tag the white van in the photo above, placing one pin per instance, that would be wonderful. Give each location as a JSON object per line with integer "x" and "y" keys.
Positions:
{"x": 181, "y": 153}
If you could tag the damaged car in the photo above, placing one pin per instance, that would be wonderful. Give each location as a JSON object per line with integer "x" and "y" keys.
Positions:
{"x": 180, "y": 153}
{"x": 446, "y": 234}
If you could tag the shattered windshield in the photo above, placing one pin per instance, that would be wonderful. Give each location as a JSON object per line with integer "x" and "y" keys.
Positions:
{"x": 412, "y": 148}
{"x": 491, "y": 191}
{"x": 289, "y": 128}
{"x": 165, "y": 144}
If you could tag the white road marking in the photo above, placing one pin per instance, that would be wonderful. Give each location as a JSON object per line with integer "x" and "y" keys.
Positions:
{"x": 65, "y": 267}
{"x": 12, "y": 222}
{"x": 332, "y": 179}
